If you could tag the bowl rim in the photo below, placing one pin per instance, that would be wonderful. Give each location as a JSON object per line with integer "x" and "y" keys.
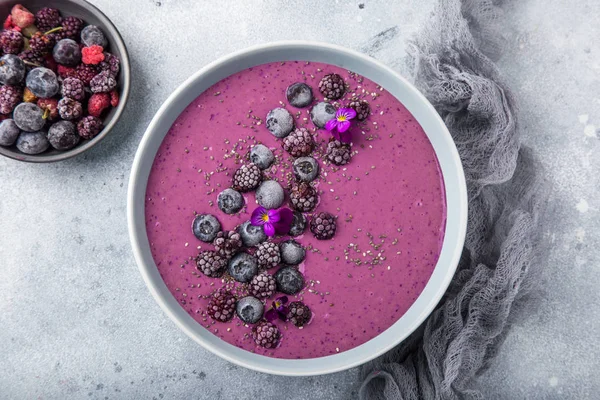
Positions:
{"x": 123, "y": 96}
{"x": 455, "y": 230}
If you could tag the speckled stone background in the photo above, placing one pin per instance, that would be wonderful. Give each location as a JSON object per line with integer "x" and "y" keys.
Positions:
{"x": 76, "y": 320}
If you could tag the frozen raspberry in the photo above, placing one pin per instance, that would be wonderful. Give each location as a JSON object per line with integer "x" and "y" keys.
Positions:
{"x": 10, "y": 96}
{"x": 65, "y": 72}
{"x": 299, "y": 143}
{"x": 41, "y": 43}
{"x": 323, "y": 225}
{"x": 303, "y": 197}
{"x": 266, "y": 334}
{"x": 247, "y": 178}
{"x": 338, "y": 153}
{"x": 73, "y": 88}
{"x": 298, "y": 313}
{"x": 268, "y": 255}
{"x": 11, "y": 42}
{"x": 332, "y": 86}
{"x": 21, "y": 16}
{"x": 263, "y": 285}
{"x": 50, "y": 108}
{"x": 47, "y": 18}
{"x": 88, "y": 127}
{"x": 86, "y": 73}
{"x": 71, "y": 28}
{"x": 8, "y": 24}
{"x": 221, "y": 306}
{"x": 362, "y": 108}
{"x": 104, "y": 82}
{"x": 97, "y": 103}
{"x": 92, "y": 54}
{"x": 211, "y": 264}
{"x": 114, "y": 98}
{"x": 111, "y": 63}
{"x": 28, "y": 96}
{"x": 227, "y": 243}
{"x": 69, "y": 109}
{"x": 32, "y": 58}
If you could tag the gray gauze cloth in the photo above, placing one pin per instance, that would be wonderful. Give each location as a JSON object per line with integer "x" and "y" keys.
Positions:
{"x": 453, "y": 67}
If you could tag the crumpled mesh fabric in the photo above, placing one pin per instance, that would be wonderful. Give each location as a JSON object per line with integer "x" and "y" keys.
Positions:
{"x": 453, "y": 67}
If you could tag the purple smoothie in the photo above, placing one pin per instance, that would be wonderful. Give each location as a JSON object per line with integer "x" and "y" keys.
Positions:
{"x": 389, "y": 201}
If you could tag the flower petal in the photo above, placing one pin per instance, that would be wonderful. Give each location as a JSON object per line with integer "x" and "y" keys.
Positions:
{"x": 335, "y": 134}
{"x": 345, "y": 137}
{"x": 283, "y": 299}
{"x": 271, "y": 315}
{"x": 286, "y": 217}
{"x": 331, "y": 124}
{"x": 283, "y": 312}
{"x": 269, "y": 229}
{"x": 256, "y": 218}
{"x": 273, "y": 216}
{"x": 343, "y": 126}
{"x": 350, "y": 113}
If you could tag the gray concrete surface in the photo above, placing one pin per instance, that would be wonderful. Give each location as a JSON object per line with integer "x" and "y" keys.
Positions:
{"x": 76, "y": 320}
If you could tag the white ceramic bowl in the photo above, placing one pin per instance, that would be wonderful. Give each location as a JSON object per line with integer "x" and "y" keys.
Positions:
{"x": 413, "y": 100}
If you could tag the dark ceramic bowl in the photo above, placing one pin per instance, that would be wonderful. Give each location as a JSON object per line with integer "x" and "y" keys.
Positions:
{"x": 91, "y": 15}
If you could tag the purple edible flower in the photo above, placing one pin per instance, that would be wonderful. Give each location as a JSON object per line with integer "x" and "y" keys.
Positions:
{"x": 340, "y": 124}
{"x": 273, "y": 221}
{"x": 279, "y": 309}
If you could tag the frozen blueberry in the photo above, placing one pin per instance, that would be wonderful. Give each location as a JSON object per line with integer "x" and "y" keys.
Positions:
{"x": 12, "y": 70}
{"x": 29, "y": 117}
{"x": 299, "y": 94}
{"x": 250, "y": 309}
{"x": 321, "y": 113}
{"x": 270, "y": 194}
{"x": 9, "y": 132}
{"x": 292, "y": 252}
{"x": 289, "y": 280}
{"x": 298, "y": 224}
{"x": 92, "y": 35}
{"x": 67, "y": 52}
{"x": 206, "y": 227}
{"x": 306, "y": 169}
{"x": 63, "y": 135}
{"x": 280, "y": 122}
{"x": 230, "y": 201}
{"x": 42, "y": 82}
{"x": 33, "y": 142}
{"x": 251, "y": 235}
{"x": 243, "y": 267}
{"x": 261, "y": 156}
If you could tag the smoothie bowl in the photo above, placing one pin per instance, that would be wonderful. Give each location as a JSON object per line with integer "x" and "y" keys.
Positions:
{"x": 297, "y": 208}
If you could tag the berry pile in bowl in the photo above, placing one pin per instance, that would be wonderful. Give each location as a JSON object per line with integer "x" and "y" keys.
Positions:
{"x": 64, "y": 79}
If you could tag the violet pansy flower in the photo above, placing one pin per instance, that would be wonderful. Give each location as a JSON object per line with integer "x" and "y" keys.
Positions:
{"x": 278, "y": 310}
{"x": 272, "y": 221}
{"x": 340, "y": 124}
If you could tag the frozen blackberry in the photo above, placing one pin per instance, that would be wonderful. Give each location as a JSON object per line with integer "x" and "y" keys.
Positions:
{"x": 47, "y": 18}
{"x": 280, "y": 122}
{"x": 247, "y": 178}
{"x": 299, "y": 94}
{"x": 243, "y": 267}
{"x": 221, "y": 305}
{"x": 69, "y": 109}
{"x": 306, "y": 169}
{"x": 263, "y": 285}
{"x": 33, "y": 142}
{"x": 227, "y": 243}
{"x": 303, "y": 197}
{"x": 251, "y": 235}
{"x": 42, "y": 82}
{"x": 299, "y": 143}
{"x": 261, "y": 156}
{"x": 111, "y": 64}
{"x": 42, "y": 44}
{"x": 289, "y": 280}
{"x": 270, "y": 194}
{"x": 10, "y": 96}
{"x": 88, "y": 127}
{"x": 332, "y": 86}
{"x": 73, "y": 88}
{"x": 71, "y": 28}
{"x": 67, "y": 52}
{"x": 85, "y": 73}
{"x": 11, "y": 41}
{"x": 63, "y": 135}
{"x": 321, "y": 113}
{"x": 250, "y": 309}
{"x": 32, "y": 58}
{"x": 91, "y": 35}
{"x": 338, "y": 153}
{"x": 9, "y": 132}
{"x": 298, "y": 224}
{"x": 230, "y": 201}
{"x": 12, "y": 70}
{"x": 299, "y": 314}
{"x": 104, "y": 82}
{"x": 292, "y": 253}
{"x": 29, "y": 117}
{"x": 206, "y": 227}
{"x": 211, "y": 263}
{"x": 268, "y": 255}
{"x": 362, "y": 108}
{"x": 323, "y": 225}
{"x": 266, "y": 334}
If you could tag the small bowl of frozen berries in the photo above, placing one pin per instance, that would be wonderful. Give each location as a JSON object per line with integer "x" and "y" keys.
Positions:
{"x": 64, "y": 78}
